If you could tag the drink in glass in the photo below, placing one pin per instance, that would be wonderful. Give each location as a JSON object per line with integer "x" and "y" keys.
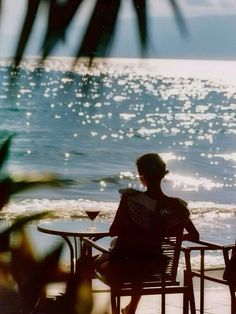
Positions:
{"x": 92, "y": 213}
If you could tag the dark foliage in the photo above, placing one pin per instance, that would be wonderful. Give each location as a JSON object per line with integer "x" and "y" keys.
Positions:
{"x": 9, "y": 186}
{"x": 141, "y": 10}
{"x": 100, "y": 30}
{"x": 4, "y": 150}
{"x": 60, "y": 16}
{"x": 30, "y": 17}
{"x": 31, "y": 275}
{"x": 99, "y": 33}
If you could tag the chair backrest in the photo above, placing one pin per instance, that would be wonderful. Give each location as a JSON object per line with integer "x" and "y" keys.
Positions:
{"x": 230, "y": 267}
{"x": 171, "y": 246}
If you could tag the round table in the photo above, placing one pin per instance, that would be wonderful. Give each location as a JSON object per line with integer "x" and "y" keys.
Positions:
{"x": 71, "y": 231}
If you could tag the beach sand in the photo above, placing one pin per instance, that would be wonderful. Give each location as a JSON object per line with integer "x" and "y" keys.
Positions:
{"x": 217, "y": 300}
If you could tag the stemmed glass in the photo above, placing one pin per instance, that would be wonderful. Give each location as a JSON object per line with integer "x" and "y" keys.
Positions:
{"x": 92, "y": 213}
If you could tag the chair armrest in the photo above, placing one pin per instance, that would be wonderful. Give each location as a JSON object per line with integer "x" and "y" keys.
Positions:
{"x": 95, "y": 245}
{"x": 229, "y": 246}
{"x": 204, "y": 246}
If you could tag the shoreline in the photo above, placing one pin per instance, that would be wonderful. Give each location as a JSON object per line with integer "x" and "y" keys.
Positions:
{"x": 185, "y": 68}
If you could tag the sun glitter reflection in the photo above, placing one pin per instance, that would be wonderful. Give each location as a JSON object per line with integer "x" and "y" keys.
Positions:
{"x": 231, "y": 156}
{"x": 170, "y": 156}
{"x": 192, "y": 183}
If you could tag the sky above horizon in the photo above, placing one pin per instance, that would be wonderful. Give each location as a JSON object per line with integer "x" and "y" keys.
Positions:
{"x": 13, "y": 12}
{"x": 155, "y": 8}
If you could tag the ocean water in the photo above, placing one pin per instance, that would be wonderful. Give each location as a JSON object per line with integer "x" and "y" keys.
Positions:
{"x": 88, "y": 126}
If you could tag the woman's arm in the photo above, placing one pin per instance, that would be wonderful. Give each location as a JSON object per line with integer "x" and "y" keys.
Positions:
{"x": 193, "y": 234}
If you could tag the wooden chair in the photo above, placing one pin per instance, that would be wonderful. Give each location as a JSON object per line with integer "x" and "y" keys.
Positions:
{"x": 204, "y": 273}
{"x": 161, "y": 283}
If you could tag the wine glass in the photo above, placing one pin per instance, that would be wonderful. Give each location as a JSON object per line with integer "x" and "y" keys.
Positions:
{"x": 92, "y": 213}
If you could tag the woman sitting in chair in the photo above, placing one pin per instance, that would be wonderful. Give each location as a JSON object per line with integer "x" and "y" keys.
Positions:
{"x": 140, "y": 224}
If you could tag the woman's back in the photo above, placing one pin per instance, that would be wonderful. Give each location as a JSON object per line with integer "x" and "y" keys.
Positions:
{"x": 141, "y": 222}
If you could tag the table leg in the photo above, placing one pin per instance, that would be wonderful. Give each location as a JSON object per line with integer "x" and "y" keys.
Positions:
{"x": 72, "y": 255}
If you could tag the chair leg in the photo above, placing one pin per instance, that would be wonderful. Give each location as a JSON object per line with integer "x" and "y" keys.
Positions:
{"x": 233, "y": 300}
{"x": 114, "y": 305}
{"x": 185, "y": 304}
{"x": 188, "y": 295}
{"x": 185, "y": 296}
{"x": 118, "y": 304}
{"x": 192, "y": 301}
{"x": 163, "y": 303}
{"x": 163, "y": 294}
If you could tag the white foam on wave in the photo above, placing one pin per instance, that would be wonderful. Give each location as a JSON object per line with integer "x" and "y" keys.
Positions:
{"x": 58, "y": 208}
{"x": 64, "y": 208}
{"x": 212, "y": 208}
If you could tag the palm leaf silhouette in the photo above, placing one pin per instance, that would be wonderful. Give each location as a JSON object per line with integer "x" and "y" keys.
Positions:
{"x": 78, "y": 296}
{"x": 22, "y": 221}
{"x": 16, "y": 226}
{"x": 60, "y": 16}
{"x": 100, "y": 31}
{"x": 179, "y": 17}
{"x": 32, "y": 275}
{"x": 9, "y": 187}
{"x": 140, "y": 8}
{"x": 4, "y": 150}
{"x": 31, "y": 14}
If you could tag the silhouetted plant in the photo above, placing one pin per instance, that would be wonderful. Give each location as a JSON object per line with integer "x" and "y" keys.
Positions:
{"x": 10, "y": 186}
{"x": 32, "y": 275}
{"x": 94, "y": 40}
{"x": 23, "y": 277}
{"x": 21, "y": 268}
{"x": 97, "y": 36}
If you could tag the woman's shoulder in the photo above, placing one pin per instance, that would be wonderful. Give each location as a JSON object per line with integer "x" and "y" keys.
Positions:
{"x": 176, "y": 212}
{"x": 129, "y": 192}
{"x": 178, "y": 205}
{"x": 138, "y": 198}
{"x": 178, "y": 201}
{"x": 139, "y": 206}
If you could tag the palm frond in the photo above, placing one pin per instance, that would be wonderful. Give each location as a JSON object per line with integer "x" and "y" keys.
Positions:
{"x": 60, "y": 16}
{"x": 100, "y": 30}
{"x": 32, "y": 9}
{"x": 78, "y": 296}
{"x": 141, "y": 11}
{"x": 31, "y": 275}
{"x": 10, "y": 187}
{"x": 4, "y": 150}
{"x": 35, "y": 182}
{"x": 99, "y": 33}
{"x": 21, "y": 222}
{"x": 179, "y": 17}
